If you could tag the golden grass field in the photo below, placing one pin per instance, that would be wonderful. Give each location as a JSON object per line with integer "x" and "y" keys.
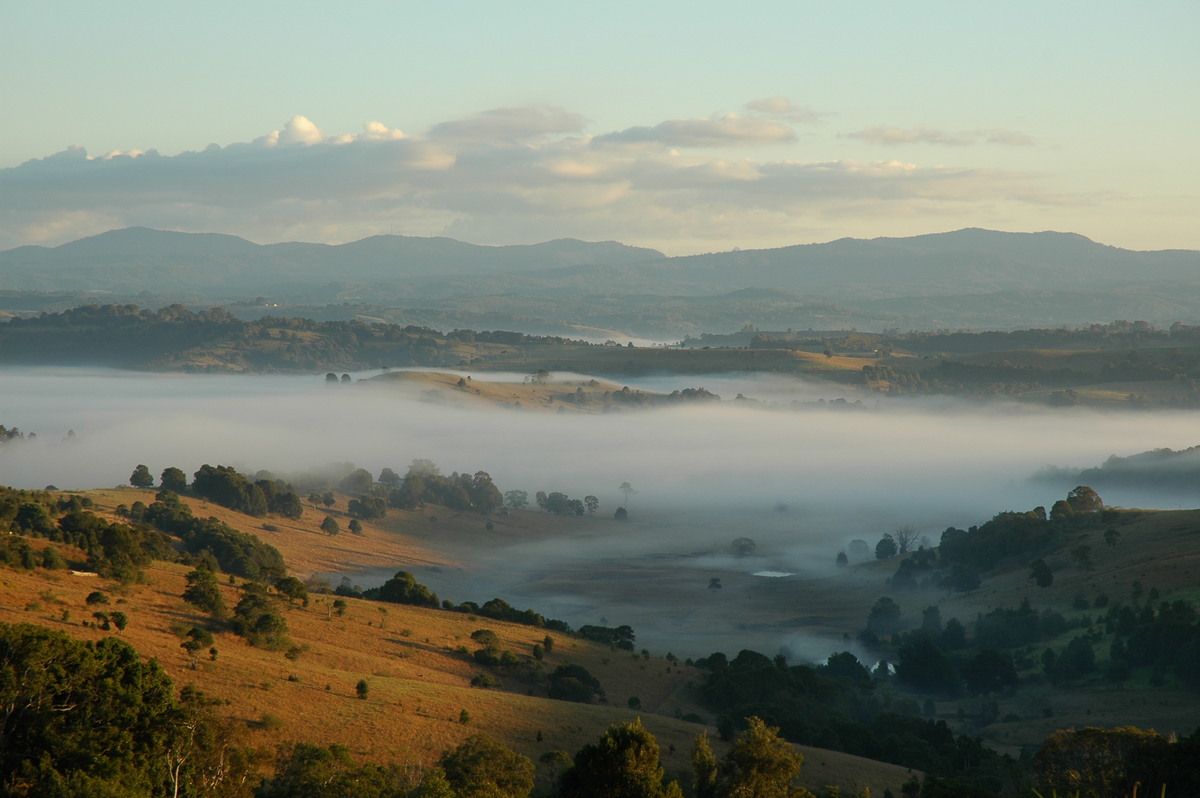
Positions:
{"x": 419, "y": 682}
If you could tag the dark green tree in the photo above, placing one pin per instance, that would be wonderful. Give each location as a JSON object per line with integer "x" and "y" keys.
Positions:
{"x": 482, "y": 768}
{"x": 173, "y": 479}
{"x": 886, "y": 547}
{"x": 623, "y": 764}
{"x": 1040, "y": 573}
{"x": 82, "y": 719}
{"x": 884, "y": 618}
{"x": 329, "y": 526}
{"x": 204, "y": 592}
{"x": 310, "y": 771}
{"x": 141, "y": 477}
{"x": 293, "y": 588}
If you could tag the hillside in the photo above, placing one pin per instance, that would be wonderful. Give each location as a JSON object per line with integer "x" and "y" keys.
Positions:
{"x": 415, "y": 661}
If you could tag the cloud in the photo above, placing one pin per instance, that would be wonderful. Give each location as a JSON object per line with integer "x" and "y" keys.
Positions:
{"x": 879, "y": 134}
{"x": 713, "y": 132}
{"x": 509, "y": 124}
{"x": 509, "y": 175}
{"x": 784, "y": 109}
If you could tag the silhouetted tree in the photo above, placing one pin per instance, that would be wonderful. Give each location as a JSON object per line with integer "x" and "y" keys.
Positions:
{"x": 623, "y": 763}
{"x": 141, "y": 477}
{"x": 174, "y": 480}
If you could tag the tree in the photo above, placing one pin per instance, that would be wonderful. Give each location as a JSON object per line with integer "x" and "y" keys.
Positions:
{"x": 204, "y": 592}
{"x": 714, "y": 583}
{"x": 368, "y": 507}
{"x": 196, "y": 639}
{"x": 355, "y": 526}
{"x": 362, "y": 688}
{"x": 141, "y": 477}
{"x": 312, "y": 771}
{"x": 91, "y": 715}
{"x": 886, "y": 547}
{"x": 293, "y": 588}
{"x": 516, "y": 499}
{"x": 623, "y": 764}
{"x": 573, "y": 683}
{"x": 628, "y": 491}
{"x": 119, "y": 620}
{"x": 357, "y": 481}
{"x": 173, "y": 479}
{"x": 1094, "y": 761}
{"x": 592, "y": 504}
{"x": 1083, "y": 499}
{"x": 884, "y": 618}
{"x": 760, "y": 764}
{"x": 390, "y": 478}
{"x": 743, "y": 547}
{"x": 704, "y": 768}
{"x": 906, "y": 537}
{"x": 330, "y": 526}
{"x": 483, "y": 768}
{"x": 620, "y": 514}
{"x": 1040, "y": 573}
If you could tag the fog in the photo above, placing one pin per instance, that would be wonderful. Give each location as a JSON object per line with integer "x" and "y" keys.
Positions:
{"x": 802, "y": 482}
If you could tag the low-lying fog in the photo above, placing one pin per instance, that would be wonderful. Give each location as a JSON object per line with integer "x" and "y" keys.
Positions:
{"x": 801, "y": 482}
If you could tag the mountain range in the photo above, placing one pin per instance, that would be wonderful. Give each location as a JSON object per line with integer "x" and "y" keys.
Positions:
{"x": 966, "y": 278}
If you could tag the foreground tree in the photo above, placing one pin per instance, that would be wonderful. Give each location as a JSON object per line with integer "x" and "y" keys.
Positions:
{"x": 1094, "y": 761}
{"x": 82, "y": 718}
{"x": 760, "y": 765}
{"x": 623, "y": 764}
{"x": 483, "y": 768}
{"x": 310, "y": 771}
{"x": 704, "y": 768}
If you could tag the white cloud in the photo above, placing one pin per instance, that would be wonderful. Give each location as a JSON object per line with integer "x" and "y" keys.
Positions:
{"x": 713, "y": 132}
{"x": 784, "y": 109}
{"x": 509, "y": 124}
{"x": 509, "y": 175}
{"x": 880, "y": 134}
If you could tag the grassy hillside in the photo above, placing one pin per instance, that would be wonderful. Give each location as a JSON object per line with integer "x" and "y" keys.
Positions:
{"x": 416, "y": 661}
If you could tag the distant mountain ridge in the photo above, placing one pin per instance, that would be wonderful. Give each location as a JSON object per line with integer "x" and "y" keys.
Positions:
{"x": 142, "y": 259}
{"x": 966, "y": 278}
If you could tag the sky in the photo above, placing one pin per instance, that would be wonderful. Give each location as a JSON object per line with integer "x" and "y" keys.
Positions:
{"x": 688, "y": 127}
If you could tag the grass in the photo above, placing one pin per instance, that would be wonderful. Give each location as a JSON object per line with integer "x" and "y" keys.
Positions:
{"x": 420, "y": 682}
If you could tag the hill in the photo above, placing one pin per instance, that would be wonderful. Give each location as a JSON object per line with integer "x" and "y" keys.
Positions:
{"x": 210, "y": 265}
{"x": 966, "y": 278}
{"x": 416, "y": 662}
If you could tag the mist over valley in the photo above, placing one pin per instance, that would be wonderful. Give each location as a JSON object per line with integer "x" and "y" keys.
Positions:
{"x": 801, "y": 481}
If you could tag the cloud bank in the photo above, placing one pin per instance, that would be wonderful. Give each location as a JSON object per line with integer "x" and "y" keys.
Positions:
{"x": 506, "y": 175}
{"x": 878, "y": 134}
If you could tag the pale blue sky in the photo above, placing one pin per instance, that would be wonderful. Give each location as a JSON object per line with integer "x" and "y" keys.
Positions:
{"x": 884, "y": 118}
